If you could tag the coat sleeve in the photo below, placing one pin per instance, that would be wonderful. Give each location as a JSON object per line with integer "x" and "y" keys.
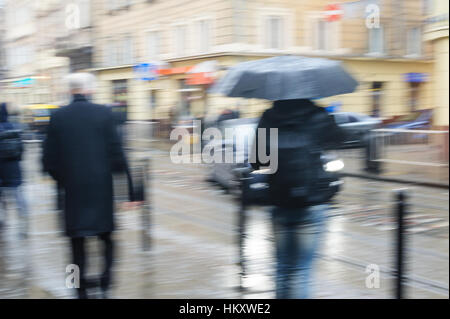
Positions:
{"x": 331, "y": 134}
{"x": 118, "y": 159}
{"x": 50, "y": 151}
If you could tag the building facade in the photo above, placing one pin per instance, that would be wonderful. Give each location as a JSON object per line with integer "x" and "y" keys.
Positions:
{"x": 436, "y": 32}
{"x": 157, "y": 58}
{"x": 380, "y": 42}
{"x": 33, "y": 71}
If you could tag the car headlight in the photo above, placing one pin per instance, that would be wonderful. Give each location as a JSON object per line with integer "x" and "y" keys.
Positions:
{"x": 334, "y": 166}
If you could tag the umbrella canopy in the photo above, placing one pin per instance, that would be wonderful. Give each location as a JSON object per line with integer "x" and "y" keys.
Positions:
{"x": 286, "y": 78}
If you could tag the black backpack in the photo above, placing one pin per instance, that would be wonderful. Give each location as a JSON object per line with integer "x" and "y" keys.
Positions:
{"x": 11, "y": 145}
{"x": 301, "y": 179}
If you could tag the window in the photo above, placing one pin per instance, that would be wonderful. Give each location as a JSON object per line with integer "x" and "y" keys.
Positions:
{"x": 85, "y": 13}
{"x": 376, "y": 40}
{"x": 204, "y": 32}
{"x": 120, "y": 98}
{"x": 427, "y": 7}
{"x": 153, "y": 43}
{"x": 119, "y": 51}
{"x": 414, "y": 41}
{"x": 127, "y": 51}
{"x": 321, "y": 35}
{"x": 274, "y": 32}
{"x": 180, "y": 40}
{"x": 118, "y": 4}
{"x": 111, "y": 53}
{"x": 20, "y": 55}
{"x": 324, "y": 35}
{"x": 112, "y": 5}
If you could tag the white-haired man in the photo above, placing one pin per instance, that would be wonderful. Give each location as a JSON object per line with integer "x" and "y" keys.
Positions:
{"x": 81, "y": 151}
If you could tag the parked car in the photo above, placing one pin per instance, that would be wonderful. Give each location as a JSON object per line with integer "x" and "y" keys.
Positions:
{"x": 420, "y": 119}
{"x": 245, "y": 128}
{"x": 356, "y": 126}
{"x": 395, "y": 126}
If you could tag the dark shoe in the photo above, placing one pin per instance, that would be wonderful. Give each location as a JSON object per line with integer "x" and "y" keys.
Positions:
{"x": 82, "y": 294}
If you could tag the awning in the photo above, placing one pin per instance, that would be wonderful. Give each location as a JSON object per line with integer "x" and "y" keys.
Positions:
{"x": 415, "y": 77}
{"x": 203, "y": 73}
{"x": 200, "y": 79}
{"x": 171, "y": 71}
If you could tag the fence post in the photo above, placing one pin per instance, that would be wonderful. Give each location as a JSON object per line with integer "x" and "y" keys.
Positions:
{"x": 241, "y": 226}
{"x": 400, "y": 262}
{"x": 241, "y": 221}
{"x": 146, "y": 211}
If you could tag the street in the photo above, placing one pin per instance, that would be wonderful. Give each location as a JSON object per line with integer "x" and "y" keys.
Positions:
{"x": 194, "y": 251}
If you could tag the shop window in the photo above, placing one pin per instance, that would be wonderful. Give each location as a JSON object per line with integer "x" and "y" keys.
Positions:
{"x": 414, "y": 89}
{"x": 376, "y": 93}
{"x": 120, "y": 98}
{"x": 153, "y": 101}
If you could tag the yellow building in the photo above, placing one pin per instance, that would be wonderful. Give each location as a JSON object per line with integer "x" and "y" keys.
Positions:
{"x": 397, "y": 50}
{"x": 381, "y": 48}
{"x": 436, "y": 32}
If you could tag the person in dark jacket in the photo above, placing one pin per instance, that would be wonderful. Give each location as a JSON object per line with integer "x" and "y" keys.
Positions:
{"x": 298, "y": 231}
{"x": 11, "y": 176}
{"x": 81, "y": 151}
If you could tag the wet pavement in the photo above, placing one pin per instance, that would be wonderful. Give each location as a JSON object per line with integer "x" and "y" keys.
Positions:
{"x": 194, "y": 251}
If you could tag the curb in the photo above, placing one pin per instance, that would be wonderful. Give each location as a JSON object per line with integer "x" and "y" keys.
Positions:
{"x": 395, "y": 180}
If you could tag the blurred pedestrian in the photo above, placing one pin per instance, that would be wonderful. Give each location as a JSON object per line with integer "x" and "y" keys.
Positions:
{"x": 299, "y": 189}
{"x": 11, "y": 149}
{"x": 81, "y": 151}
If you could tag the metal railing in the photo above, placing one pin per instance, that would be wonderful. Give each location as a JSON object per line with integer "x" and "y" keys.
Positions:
{"x": 402, "y": 214}
{"x": 426, "y": 148}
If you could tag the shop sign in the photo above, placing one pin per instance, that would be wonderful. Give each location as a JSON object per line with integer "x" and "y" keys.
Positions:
{"x": 23, "y": 83}
{"x": 146, "y": 71}
{"x": 415, "y": 77}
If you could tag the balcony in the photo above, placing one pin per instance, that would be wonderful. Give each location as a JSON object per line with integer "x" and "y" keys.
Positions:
{"x": 78, "y": 47}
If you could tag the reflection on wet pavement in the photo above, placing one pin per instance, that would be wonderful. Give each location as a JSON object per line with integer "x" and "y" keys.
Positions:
{"x": 194, "y": 252}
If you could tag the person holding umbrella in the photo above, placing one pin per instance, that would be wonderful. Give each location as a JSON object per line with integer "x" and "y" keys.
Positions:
{"x": 301, "y": 187}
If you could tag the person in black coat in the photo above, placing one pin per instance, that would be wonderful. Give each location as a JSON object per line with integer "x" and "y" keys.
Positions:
{"x": 297, "y": 230}
{"x": 81, "y": 151}
{"x": 11, "y": 174}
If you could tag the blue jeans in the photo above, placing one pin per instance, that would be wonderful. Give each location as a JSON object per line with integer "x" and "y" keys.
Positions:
{"x": 21, "y": 203}
{"x": 297, "y": 235}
